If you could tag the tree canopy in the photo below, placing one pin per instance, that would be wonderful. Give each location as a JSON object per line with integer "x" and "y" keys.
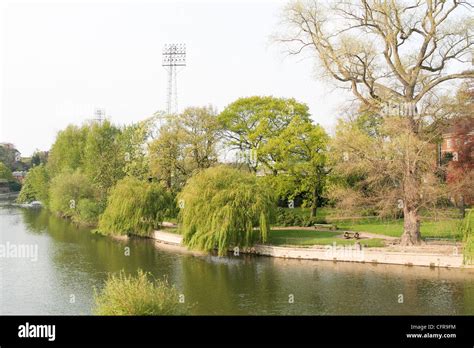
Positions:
{"x": 222, "y": 206}
{"x": 135, "y": 207}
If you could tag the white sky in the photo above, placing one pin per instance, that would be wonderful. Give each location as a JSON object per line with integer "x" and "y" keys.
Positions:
{"x": 61, "y": 60}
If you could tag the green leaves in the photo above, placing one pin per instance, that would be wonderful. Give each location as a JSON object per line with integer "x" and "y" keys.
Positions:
{"x": 222, "y": 207}
{"x": 36, "y": 186}
{"x": 186, "y": 144}
{"x": 5, "y": 172}
{"x": 135, "y": 207}
{"x": 253, "y": 123}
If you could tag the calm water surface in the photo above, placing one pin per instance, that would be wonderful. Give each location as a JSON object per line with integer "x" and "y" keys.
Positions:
{"x": 73, "y": 261}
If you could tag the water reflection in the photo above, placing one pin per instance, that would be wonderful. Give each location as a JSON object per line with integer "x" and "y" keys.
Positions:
{"x": 72, "y": 261}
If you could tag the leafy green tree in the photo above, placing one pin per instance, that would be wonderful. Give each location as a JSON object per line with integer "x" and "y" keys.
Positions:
{"x": 104, "y": 159}
{"x": 135, "y": 207}
{"x": 185, "y": 145}
{"x": 248, "y": 124}
{"x": 39, "y": 157}
{"x": 66, "y": 190}
{"x": 221, "y": 206}
{"x": 67, "y": 152}
{"x": 9, "y": 156}
{"x": 166, "y": 157}
{"x": 301, "y": 153}
{"x": 5, "y": 172}
{"x": 134, "y": 145}
{"x": 36, "y": 186}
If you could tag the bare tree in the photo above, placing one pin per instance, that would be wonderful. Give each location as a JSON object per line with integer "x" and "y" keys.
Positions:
{"x": 389, "y": 51}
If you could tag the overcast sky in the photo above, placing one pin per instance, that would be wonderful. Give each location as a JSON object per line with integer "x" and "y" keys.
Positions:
{"x": 59, "y": 61}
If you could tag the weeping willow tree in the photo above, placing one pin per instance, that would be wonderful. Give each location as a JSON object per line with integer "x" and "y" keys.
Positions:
{"x": 135, "y": 207}
{"x": 222, "y": 207}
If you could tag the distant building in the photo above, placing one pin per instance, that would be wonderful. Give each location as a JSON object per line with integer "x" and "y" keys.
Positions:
{"x": 456, "y": 153}
{"x": 453, "y": 138}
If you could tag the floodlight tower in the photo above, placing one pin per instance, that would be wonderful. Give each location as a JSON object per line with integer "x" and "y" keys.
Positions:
{"x": 99, "y": 115}
{"x": 174, "y": 56}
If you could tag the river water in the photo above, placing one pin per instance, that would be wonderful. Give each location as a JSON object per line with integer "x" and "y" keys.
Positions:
{"x": 72, "y": 262}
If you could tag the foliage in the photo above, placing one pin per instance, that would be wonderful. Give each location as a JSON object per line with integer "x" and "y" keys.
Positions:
{"x": 137, "y": 295}
{"x": 185, "y": 144}
{"x": 249, "y": 123}
{"x": 395, "y": 171}
{"x": 66, "y": 190}
{"x": 370, "y": 47}
{"x": 9, "y": 156}
{"x": 222, "y": 206}
{"x": 5, "y": 172}
{"x": 136, "y": 207}
{"x": 88, "y": 212}
{"x": 36, "y": 186}
{"x": 468, "y": 237}
{"x": 39, "y": 157}
{"x": 67, "y": 152}
{"x": 299, "y": 155}
{"x": 104, "y": 159}
{"x": 289, "y": 217}
{"x": 133, "y": 139}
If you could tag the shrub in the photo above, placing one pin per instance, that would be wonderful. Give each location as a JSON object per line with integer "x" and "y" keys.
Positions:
{"x": 66, "y": 190}
{"x": 288, "y": 217}
{"x": 129, "y": 295}
{"x": 222, "y": 206}
{"x": 36, "y": 186}
{"x": 309, "y": 221}
{"x": 136, "y": 207}
{"x": 88, "y": 212}
{"x": 5, "y": 172}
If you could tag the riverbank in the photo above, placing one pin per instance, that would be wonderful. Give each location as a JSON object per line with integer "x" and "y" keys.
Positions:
{"x": 447, "y": 257}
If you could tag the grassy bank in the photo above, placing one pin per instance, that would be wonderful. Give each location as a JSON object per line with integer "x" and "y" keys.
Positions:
{"x": 312, "y": 237}
{"x": 440, "y": 225}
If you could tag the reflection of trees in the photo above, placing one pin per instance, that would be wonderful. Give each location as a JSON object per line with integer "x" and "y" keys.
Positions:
{"x": 248, "y": 284}
{"x": 78, "y": 249}
{"x": 468, "y": 305}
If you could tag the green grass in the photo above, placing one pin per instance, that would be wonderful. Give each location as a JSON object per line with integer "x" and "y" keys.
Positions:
{"x": 174, "y": 230}
{"x": 394, "y": 228}
{"x": 430, "y": 228}
{"x": 174, "y": 220}
{"x": 312, "y": 237}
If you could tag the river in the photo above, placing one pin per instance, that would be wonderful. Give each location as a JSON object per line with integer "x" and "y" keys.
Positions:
{"x": 72, "y": 262}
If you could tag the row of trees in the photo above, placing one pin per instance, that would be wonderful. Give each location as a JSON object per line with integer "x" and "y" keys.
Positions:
{"x": 126, "y": 179}
{"x": 392, "y": 55}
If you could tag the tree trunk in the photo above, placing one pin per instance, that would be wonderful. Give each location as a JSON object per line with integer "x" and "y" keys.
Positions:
{"x": 462, "y": 207}
{"x": 314, "y": 204}
{"x": 411, "y": 227}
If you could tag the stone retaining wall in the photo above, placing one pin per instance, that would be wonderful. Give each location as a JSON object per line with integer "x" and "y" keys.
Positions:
{"x": 345, "y": 254}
